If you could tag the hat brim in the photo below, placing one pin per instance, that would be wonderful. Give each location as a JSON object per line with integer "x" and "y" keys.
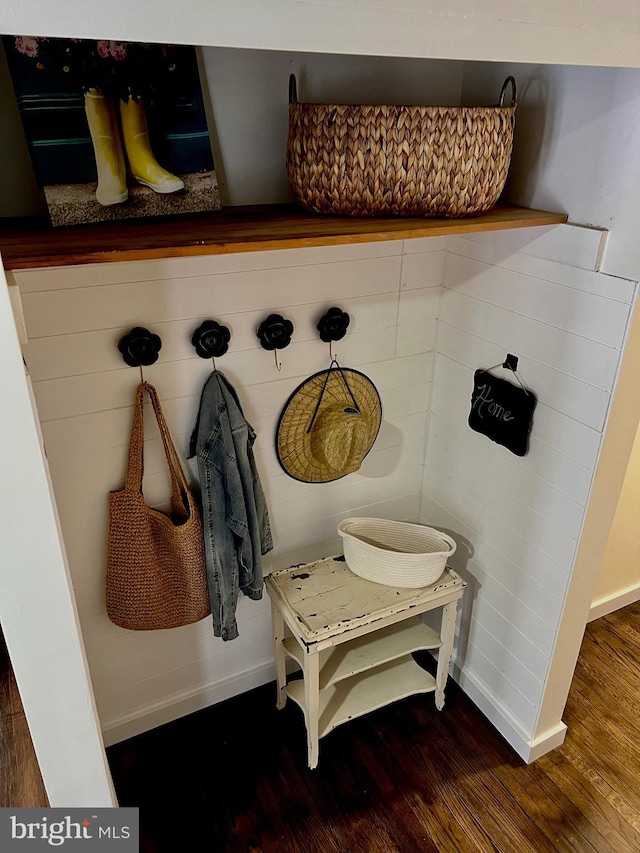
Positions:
{"x": 293, "y": 438}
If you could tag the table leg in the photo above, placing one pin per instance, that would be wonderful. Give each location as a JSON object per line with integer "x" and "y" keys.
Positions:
{"x": 447, "y": 633}
{"x": 312, "y": 705}
{"x": 278, "y": 638}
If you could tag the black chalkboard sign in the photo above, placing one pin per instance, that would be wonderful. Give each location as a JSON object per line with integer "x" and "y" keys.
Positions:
{"x": 502, "y": 411}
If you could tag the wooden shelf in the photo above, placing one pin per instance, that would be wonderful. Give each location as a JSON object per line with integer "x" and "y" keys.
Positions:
{"x": 234, "y": 229}
{"x": 366, "y": 692}
{"x": 368, "y": 651}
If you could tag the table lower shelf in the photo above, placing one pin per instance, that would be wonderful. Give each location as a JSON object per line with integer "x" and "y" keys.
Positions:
{"x": 347, "y": 659}
{"x": 366, "y": 692}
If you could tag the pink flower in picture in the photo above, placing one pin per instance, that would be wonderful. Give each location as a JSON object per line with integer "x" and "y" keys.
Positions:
{"x": 103, "y": 49}
{"x": 27, "y": 45}
{"x": 112, "y": 50}
{"x": 118, "y": 50}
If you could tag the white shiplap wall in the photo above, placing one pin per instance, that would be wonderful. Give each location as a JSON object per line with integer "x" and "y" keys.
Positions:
{"x": 518, "y": 519}
{"x": 74, "y": 318}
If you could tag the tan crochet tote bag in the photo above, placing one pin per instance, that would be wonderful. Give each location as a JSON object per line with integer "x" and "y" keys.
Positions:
{"x": 156, "y": 572}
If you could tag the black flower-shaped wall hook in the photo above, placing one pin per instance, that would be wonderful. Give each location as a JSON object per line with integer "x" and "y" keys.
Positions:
{"x": 333, "y": 325}
{"x": 140, "y": 347}
{"x": 210, "y": 339}
{"x": 275, "y": 332}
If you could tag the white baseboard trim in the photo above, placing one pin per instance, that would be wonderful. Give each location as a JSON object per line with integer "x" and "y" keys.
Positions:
{"x": 529, "y": 749}
{"x": 180, "y": 704}
{"x": 547, "y": 741}
{"x": 606, "y": 605}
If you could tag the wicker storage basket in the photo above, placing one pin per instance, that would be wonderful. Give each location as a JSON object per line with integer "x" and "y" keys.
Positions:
{"x": 399, "y": 161}
{"x": 395, "y": 553}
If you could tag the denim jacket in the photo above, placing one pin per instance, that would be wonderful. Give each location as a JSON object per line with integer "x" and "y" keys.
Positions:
{"x": 235, "y": 517}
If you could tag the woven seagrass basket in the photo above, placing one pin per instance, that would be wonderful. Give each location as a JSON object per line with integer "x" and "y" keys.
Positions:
{"x": 399, "y": 160}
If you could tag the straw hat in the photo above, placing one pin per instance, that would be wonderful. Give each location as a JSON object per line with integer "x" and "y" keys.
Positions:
{"x": 328, "y": 425}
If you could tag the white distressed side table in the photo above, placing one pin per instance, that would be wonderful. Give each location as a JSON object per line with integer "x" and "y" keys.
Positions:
{"x": 353, "y": 640}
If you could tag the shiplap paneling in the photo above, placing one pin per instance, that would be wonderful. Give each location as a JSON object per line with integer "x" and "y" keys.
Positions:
{"x": 466, "y": 451}
{"x": 516, "y": 545}
{"x": 520, "y": 646}
{"x": 38, "y": 280}
{"x": 99, "y": 430}
{"x": 84, "y": 471}
{"x": 491, "y": 501}
{"x": 93, "y": 351}
{"x": 83, "y": 309}
{"x": 84, "y": 393}
{"x": 584, "y": 360}
{"x": 556, "y": 390}
{"x": 415, "y": 338}
{"x": 594, "y": 316}
{"x": 569, "y": 245}
{"x": 413, "y": 269}
{"x": 487, "y": 672}
{"x": 620, "y": 289}
{"x": 177, "y": 652}
{"x": 75, "y": 395}
{"x": 419, "y": 245}
{"x": 518, "y": 611}
{"x": 419, "y": 305}
{"x": 518, "y": 675}
{"x": 556, "y": 435}
{"x": 520, "y": 519}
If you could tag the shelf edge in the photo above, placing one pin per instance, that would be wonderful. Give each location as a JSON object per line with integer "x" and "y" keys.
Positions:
{"x": 405, "y": 687}
{"x": 15, "y": 244}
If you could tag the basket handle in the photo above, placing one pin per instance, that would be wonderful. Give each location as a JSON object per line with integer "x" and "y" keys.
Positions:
{"x": 293, "y": 89}
{"x": 509, "y": 80}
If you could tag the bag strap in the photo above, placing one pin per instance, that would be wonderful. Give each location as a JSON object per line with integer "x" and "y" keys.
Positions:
{"x": 181, "y": 499}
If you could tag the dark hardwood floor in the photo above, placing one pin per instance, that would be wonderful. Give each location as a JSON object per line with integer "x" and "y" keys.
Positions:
{"x": 233, "y": 778}
{"x": 20, "y": 780}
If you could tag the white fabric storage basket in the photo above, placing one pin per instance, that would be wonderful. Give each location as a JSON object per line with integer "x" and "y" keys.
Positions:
{"x": 395, "y": 553}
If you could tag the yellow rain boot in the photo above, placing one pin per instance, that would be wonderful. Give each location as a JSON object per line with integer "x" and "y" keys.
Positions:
{"x": 143, "y": 165}
{"x": 105, "y": 136}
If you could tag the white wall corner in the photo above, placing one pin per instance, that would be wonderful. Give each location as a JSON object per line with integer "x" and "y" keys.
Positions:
{"x": 609, "y": 603}
{"x": 574, "y": 245}
{"x": 589, "y": 247}
{"x": 527, "y": 747}
{"x": 615, "y": 450}
{"x": 545, "y": 742}
{"x": 430, "y": 381}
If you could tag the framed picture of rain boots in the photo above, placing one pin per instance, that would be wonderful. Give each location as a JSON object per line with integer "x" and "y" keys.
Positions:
{"x": 116, "y": 130}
